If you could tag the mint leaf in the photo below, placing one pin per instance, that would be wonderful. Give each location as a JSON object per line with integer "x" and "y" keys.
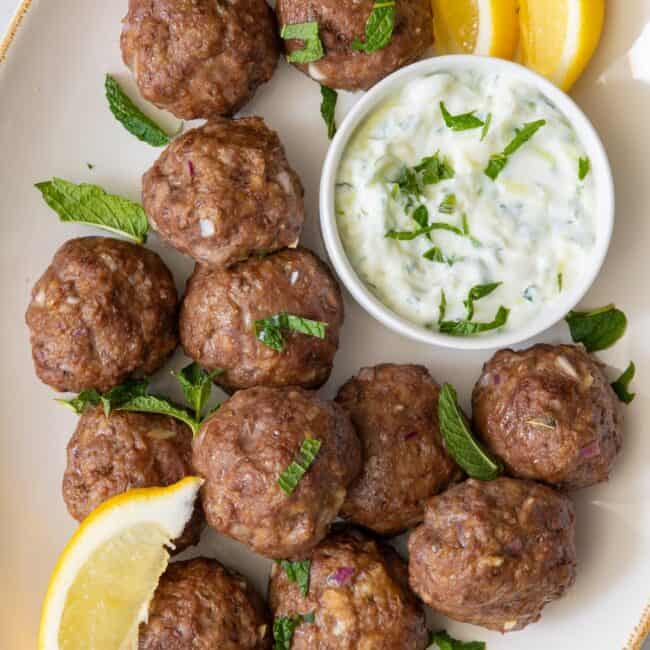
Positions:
{"x": 500, "y": 160}
{"x": 478, "y": 292}
{"x": 196, "y": 384}
{"x": 90, "y": 204}
{"x": 598, "y": 329}
{"x": 269, "y": 330}
{"x": 291, "y": 476}
{"x": 584, "y": 166}
{"x": 486, "y": 126}
{"x": 328, "y": 109}
{"x": 123, "y": 393}
{"x": 284, "y": 628}
{"x": 460, "y": 442}
{"x": 464, "y": 122}
{"x": 471, "y": 328}
{"x": 379, "y": 28}
{"x": 297, "y": 572}
{"x": 434, "y": 169}
{"x": 160, "y": 406}
{"x": 435, "y": 255}
{"x": 82, "y": 401}
{"x": 408, "y": 235}
{"x": 446, "y": 642}
{"x": 309, "y": 33}
{"x": 448, "y": 204}
{"x": 442, "y": 312}
{"x": 560, "y": 282}
{"x": 131, "y": 117}
{"x": 622, "y": 384}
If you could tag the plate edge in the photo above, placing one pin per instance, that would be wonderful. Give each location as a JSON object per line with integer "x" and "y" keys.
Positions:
{"x": 640, "y": 633}
{"x": 12, "y": 29}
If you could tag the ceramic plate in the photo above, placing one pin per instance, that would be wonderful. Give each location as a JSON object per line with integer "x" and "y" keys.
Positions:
{"x": 54, "y": 121}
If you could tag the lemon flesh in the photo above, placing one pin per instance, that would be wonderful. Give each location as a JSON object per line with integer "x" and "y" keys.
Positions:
{"x": 485, "y": 27}
{"x": 104, "y": 604}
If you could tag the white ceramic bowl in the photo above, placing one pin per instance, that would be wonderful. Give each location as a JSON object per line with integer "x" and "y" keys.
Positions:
{"x": 600, "y": 167}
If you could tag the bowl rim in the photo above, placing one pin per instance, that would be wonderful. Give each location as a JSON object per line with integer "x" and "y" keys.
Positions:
{"x": 600, "y": 167}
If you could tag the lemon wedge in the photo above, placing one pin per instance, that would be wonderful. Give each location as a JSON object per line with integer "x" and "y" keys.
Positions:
{"x": 559, "y": 37}
{"x": 101, "y": 587}
{"x": 486, "y": 27}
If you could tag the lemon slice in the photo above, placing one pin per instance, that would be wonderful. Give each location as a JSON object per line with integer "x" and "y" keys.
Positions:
{"x": 486, "y": 27}
{"x": 101, "y": 587}
{"x": 559, "y": 37}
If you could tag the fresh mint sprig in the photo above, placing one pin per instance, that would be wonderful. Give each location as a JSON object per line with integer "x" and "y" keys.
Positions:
{"x": 284, "y": 627}
{"x": 290, "y": 477}
{"x": 622, "y": 385}
{"x": 131, "y": 117}
{"x": 598, "y": 329}
{"x": 297, "y": 572}
{"x": 328, "y": 109}
{"x": 460, "y": 442}
{"x": 90, "y": 204}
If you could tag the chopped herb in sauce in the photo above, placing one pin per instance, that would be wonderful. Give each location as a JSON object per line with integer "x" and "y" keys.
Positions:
{"x": 471, "y": 328}
{"x": 584, "y": 166}
{"x": 464, "y": 122}
{"x": 291, "y": 476}
{"x": 486, "y": 126}
{"x": 448, "y": 204}
{"x": 500, "y": 160}
{"x": 478, "y": 292}
{"x": 309, "y": 33}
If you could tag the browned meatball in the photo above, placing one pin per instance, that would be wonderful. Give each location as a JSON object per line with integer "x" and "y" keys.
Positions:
{"x": 220, "y": 309}
{"x": 242, "y": 450}
{"x": 104, "y": 309}
{"x": 200, "y": 58}
{"x": 341, "y": 22}
{"x": 199, "y": 605}
{"x": 494, "y": 553}
{"x": 359, "y": 595}
{"x": 394, "y": 409}
{"x": 225, "y": 191}
{"x": 110, "y": 455}
{"x": 550, "y": 414}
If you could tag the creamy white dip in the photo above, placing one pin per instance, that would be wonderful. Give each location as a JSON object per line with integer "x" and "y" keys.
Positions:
{"x": 531, "y": 229}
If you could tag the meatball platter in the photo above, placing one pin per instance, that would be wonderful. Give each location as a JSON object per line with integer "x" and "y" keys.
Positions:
{"x": 333, "y": 499}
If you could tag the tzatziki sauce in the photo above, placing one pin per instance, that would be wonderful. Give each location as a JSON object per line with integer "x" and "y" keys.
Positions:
{"x": 492, "y": 187}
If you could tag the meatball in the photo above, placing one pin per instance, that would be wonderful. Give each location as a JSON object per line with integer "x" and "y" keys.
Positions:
{"x": 199, "y": 605}
{"x": 200, "y": 58}
{"x": 341, "y": 22}
{"x": 550, "y": 414}
{"x": 220, "y": 308}
{"x": 359, "y": 595}
{"x": 104, "y": 309}
{"x": 242, "y": 450}
{"x": 110, "y": 455}
{"x": 225, "y": 191}
{"x": 494, "y": 553}
{"x": 394, "y": 409}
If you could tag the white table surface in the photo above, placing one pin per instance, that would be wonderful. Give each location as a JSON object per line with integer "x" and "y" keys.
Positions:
{"x": 7, "y": 8}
